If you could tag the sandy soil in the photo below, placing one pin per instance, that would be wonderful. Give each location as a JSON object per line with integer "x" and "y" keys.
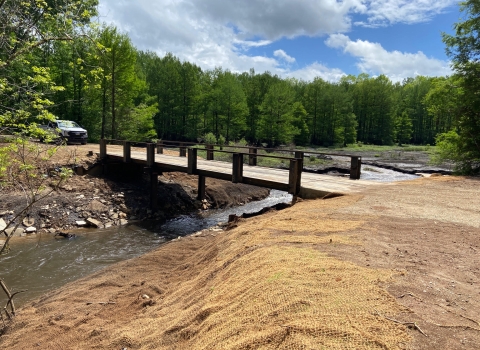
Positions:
{"x": 394, "y": 268}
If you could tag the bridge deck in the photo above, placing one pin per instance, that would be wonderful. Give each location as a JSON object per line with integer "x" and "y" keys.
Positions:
{"x": 312, "y": 185}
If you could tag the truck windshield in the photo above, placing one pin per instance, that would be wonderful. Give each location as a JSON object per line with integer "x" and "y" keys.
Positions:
{"x": 67, "y": 124}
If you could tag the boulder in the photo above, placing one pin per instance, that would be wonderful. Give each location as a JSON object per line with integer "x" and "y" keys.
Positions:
{"x": 18, "y": 232}
{"x": 123, "y": 222}
{"x": 96, "y": 206}
{"x": 28, "y": 221}
{"x": 124, "y": 208}
{"x": 31, "y": 230}
{"x": 81, "y": 223}
{"x": 95, "y": 223}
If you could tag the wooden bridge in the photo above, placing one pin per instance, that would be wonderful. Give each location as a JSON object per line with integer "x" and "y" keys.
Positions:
{"x": 293, "y": 180}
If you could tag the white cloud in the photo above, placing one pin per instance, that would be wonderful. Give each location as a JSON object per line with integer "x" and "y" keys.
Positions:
{"x": 315, "y": 70}
{"x": 385, "y": 12}
{"x": 213, "y": 33}
{"x": 374, "y": 59}
{"x": 283, "y": 55}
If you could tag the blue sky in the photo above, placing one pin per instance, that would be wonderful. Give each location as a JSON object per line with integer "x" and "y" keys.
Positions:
{"x": 294, "y": 38}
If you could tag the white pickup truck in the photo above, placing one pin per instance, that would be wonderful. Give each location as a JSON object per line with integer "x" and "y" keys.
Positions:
{"x": 66, "y": 130}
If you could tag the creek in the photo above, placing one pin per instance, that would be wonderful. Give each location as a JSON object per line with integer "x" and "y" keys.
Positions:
{"x": 41, "y": 262}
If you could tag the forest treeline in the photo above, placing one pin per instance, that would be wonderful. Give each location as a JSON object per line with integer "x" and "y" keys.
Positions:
{"x": 119, "y": 92}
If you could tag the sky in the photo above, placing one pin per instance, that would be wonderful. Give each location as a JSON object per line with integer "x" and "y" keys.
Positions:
{"x": 303, "y": 39}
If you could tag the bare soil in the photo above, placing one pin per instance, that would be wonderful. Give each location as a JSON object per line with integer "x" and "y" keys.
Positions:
{"x": 396, "y": 267}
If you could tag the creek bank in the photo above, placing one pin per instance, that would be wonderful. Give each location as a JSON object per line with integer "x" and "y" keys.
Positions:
{"x": 100, "y": 202}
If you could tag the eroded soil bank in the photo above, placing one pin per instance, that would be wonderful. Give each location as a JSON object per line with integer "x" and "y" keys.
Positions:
{"x": 393, "y": 268}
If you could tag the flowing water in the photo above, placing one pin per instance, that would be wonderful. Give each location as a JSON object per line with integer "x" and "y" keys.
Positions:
{"x": 41, "y": 262}
{"x": 373, "y": 173}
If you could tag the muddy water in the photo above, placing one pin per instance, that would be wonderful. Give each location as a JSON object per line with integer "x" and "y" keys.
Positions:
{"x": 41, "y": 262}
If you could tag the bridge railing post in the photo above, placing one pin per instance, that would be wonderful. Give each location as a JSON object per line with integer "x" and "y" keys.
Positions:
{"x": 150, "y": 154}
{"x": 159, "y": 147}
{"x": 103, "y": 148}
{"x": 192, "y": 161}
{"x": 252, "y": 157}
{"x": 209, "y": 152}
{"x": 295, "y": 176}
{"x": 355, "y": 167}
{"x": 301, "y": 156}
{"x": 183, "y": 150}
{"x": 237, "y": 168}
{"x": 127, "y": 151}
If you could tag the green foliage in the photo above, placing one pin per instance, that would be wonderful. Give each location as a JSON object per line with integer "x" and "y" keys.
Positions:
{"x": 275, "y": 125}
{"x": 464, "y": 49}
{"x": 210, "y": 139}
{"x": 299, "y": 122}
{"x": 221, "y": 140}
{"x": 403, "y": 128}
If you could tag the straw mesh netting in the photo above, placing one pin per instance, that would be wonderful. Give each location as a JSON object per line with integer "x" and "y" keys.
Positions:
{"x": 264, "y": 285}
{"x": 262, "y": 295}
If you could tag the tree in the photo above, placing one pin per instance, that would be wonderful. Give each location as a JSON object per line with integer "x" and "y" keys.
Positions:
{"x": 275, "y": 125}
{"x": 299, "y": 121}
{"x": 27, "y": 27}
{"x": 403, "y": 128}
{"x": 464, "y": 49}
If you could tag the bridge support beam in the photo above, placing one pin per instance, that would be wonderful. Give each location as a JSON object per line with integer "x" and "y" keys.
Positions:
{"x": 201, "y": 187}
{"x": 252, "y": 157}
{"x": 237, "y": 168}
{"x": 355, "y": 168}
{"x": 153, "y": 191}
